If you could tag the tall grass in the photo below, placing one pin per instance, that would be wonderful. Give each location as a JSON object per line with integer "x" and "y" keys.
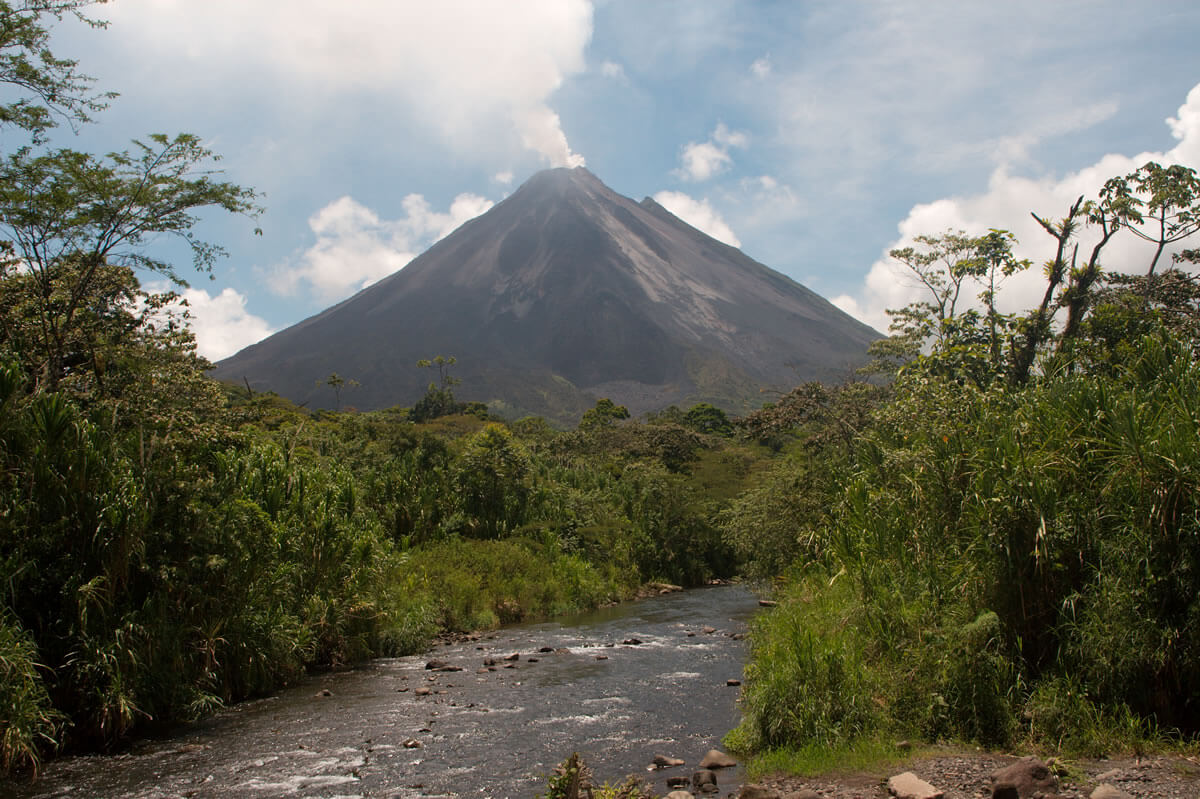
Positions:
{"x": 1003, "y": 564}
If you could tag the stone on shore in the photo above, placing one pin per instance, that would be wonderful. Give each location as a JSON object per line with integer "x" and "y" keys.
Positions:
{"x": 662, "y": 761}
{"x": 717, "y": 759}
{"x": 705, "y": 781}
{"x": 1028, "y": 776}
{"x": 1109, "y": 791}
{"x": 910, "y": 786}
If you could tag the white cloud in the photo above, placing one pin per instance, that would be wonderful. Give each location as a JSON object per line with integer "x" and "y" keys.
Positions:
{"x": 611, "y": 69}
{"x": 505, "y": 178}
{"x": 472, "y": 71}
{"x": 703, "y": 160}
{"x": 355, "y": 247}
{"x": 221, "y": 323}
{"x": 761, "y": 68}
{"x": 699, "y": 214}
{"x": 1008, "y": 203}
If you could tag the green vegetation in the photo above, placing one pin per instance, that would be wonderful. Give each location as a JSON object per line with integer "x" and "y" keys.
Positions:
{"x": 169, "y": 545}
{"x": 1003, "y": 545}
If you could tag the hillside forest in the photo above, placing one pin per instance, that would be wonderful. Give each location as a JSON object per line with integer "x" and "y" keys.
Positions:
{"x": 991, "y": 535}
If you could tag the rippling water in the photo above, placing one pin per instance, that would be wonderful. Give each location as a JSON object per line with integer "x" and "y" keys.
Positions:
{"x": 475, "y": 733}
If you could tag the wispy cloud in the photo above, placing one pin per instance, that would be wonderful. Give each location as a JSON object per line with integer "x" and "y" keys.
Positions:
{"x": 355, "y": 247}
{"x": 699, "y": 214}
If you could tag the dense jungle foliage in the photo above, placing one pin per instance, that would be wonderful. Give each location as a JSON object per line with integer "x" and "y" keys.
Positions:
{"x": 1002, "y": 545}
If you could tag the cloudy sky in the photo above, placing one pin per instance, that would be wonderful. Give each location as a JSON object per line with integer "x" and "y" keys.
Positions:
{"x": 815, "y": 134}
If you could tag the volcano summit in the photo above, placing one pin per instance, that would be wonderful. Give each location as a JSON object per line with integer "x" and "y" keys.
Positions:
{"x": 563, "y": 293}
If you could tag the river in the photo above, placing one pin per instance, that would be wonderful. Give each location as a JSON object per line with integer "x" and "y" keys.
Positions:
{"x": 618, "y": 685}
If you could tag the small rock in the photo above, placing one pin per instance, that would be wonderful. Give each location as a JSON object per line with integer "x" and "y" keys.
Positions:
{"x": 489, "y": 661}
{"x": 546, "y": 649}
{"x": 513, "y": 656}
{"x": 402, "y": 689}
{"x": 531, "y": 660}
{"x": 662, "y": 761}
{"x": 324, "y": 692}
{"x": 1028, "y": 775}
{"x": 1107, "y": 791}
{"x": 708, "y": 630}
{"x": 412, "y": 743}
{"x": 717, "y": 759}
{"x": 767, "y": 603}
{"x": 435, "y": 665}
{"x": 424, "y": 690}
{"x": 562, "y": 650}
{"x": 738, "y": 636}
{"x": 910, "y": 786}
{"x": 632, "y": 642}
{"x": 481, "y": 670}
{"x": 806, "y": 793}
{"x": 691, "y": 635}
{"x": 679, "y": 795}
{"x": 601, "y": 657}
{"x": 1111, "y": 774}
{"x": 705, "y": 780}
{"x": 733, "y": 683}
{"x": 678, "y": 782}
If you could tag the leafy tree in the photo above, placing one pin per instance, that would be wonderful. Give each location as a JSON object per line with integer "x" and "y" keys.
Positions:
{"x": 706, "y": 418}
{"x": 47, "y": 86}
{"x": 70, "y": 216}
{"x": 439, "y": 396}
{"x": 605, "y": 414}
{"x": 493, "y": 474}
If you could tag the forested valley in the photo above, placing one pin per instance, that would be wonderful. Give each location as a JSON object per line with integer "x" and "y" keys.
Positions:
{"x": 991, "y": 536}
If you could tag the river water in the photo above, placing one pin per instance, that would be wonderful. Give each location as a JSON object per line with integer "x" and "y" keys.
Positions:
{"x": 377, "y": 731}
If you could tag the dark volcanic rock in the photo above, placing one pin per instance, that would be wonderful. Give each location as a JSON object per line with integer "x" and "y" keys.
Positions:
{"x": 560, "y": 294}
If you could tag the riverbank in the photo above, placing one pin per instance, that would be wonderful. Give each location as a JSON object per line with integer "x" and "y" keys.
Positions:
{"x": 968, "y": 775}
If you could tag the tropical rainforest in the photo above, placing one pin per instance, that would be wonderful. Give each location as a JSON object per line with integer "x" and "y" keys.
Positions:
{"x": 994, "y": 536}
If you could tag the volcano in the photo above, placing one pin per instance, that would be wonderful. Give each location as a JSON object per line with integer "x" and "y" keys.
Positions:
{"x": 563, "y": 293}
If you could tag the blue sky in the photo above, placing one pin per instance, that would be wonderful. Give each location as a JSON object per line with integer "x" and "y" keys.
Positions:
{"x": 814, "y": 135}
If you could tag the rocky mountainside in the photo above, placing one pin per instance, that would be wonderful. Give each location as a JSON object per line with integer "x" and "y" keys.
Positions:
{"x": 563, "y": 293}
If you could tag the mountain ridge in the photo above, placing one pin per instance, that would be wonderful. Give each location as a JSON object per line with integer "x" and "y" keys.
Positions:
{"x": 563, "y": 292}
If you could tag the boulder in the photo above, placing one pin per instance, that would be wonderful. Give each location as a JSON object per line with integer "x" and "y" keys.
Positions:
{"x": 1108, "y": 791}
{"x": 678, "y": 782}
{"x": 545, "y": 649}
{"x": 435, "y": 665}
{"x": 662, "y": 761}
{"x": 632, "y": 642}
{"x": 910, "y": 786}
{"x": 513, "y": 656}
{"x": 424, "y": 690}
{"x": 717, "y": 759}
{"x": 705, "y": 781}
{"x": 708, "y": 630}
{"x": 1028, "y": 776}
{"x": 679, "y": 795}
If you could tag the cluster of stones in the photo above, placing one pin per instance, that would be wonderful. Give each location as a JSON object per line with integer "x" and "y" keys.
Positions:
{"x": 1027, "y": 778}
{"x": 703, "y": 780}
